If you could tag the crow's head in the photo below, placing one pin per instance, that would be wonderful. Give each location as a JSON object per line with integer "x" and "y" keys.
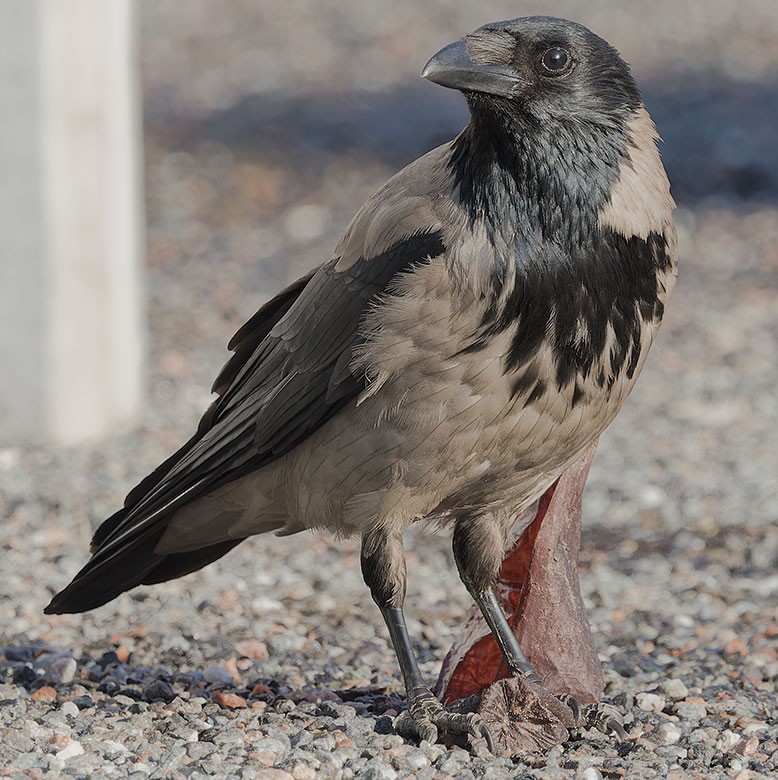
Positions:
{"x": 539, "y": 70}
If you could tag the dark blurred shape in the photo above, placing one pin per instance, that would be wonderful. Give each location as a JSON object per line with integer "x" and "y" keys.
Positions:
{"x": 719, "y": 137}
{"x": 719, "y": 140}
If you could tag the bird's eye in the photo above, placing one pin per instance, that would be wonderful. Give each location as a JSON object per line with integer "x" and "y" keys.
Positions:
{"x": 556, "y": 61}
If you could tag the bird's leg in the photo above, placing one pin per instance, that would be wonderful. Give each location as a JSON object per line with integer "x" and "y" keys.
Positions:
{"x": 478, "y": 552}
{"x": 384, "y": 571}
{"x": 517, "y": 662}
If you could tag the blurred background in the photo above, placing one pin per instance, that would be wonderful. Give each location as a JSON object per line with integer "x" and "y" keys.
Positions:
{"x": 265, "y": 126}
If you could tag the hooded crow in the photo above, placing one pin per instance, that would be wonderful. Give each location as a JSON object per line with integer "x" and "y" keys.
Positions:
{"x": 479, "y": 324}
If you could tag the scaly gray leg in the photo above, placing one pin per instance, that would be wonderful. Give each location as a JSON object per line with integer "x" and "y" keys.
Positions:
{"x": 478, "y": 552}
{"x": 383, "y": 568}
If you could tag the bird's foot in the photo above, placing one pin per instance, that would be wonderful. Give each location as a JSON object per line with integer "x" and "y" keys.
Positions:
{"x": 602, "y": 716}
{"x": 427, "y": 719}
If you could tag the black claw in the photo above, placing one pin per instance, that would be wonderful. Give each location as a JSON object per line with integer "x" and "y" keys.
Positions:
{"x": 426, "y": 718}
{"x": 615, "y": 726}
{"x": 484, "y": 732}
{"x": 404, "y": 725}
{"x": 604, "y": 718}
{"x": 601, "y": 716}
{"x": 575, "y": 706}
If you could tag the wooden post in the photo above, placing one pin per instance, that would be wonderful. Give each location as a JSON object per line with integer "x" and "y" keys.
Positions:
{"x": 70, "y": 306}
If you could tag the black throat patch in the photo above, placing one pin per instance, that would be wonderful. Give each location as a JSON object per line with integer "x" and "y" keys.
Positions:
{"x": 521, "y": 178}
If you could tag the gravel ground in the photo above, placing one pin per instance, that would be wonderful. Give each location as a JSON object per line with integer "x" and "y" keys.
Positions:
{"x": 267, "y": 124}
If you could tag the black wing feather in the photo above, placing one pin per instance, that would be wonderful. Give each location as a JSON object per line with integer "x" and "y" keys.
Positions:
{"x": 243, "y": 344}
{"x": 252, "y": 333}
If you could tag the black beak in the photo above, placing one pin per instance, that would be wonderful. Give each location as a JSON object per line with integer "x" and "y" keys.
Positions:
{"x": 452, "y": 67}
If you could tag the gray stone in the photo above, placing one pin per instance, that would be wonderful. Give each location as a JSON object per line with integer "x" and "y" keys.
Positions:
{"x": 650, "y": 702}
{"x": 674, "y": 689}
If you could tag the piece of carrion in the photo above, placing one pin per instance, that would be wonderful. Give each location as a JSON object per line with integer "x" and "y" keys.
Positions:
{"x": 540, "y": 590}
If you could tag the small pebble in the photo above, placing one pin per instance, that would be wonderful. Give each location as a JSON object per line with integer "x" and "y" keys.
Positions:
{"x": 674, "y": 689}
{"x": 747, "y": 747}
{"x": 650, "y": 702}
{"x": 114, "y": 747}
{"x": 376, "y": 769}
{"x": 45, "y": 694}
{"x": 11, "y": 692}
{"x": 69, "y": 708}
{"x": 750, "y": 726}
{"x": 728, "y": 741}
{"x": 701, "y": 754}
{"x": 690, "y": 710}
{"x": 273, "y": 745}
{"x": 230, "y": 700}
{"x": 61, "y": 671}
{"x": 159, "y": 690}
{"x": 255, "y": 649}
{"x": 411, "y": 762}
{"x": 672, "y": 753}
{"x": 736, "y": 646}
{"x": 218, "y": 674}
{"x": 669, "y": 733}
{"x": 70, "y": 750}
{"x": 301, "y": 771}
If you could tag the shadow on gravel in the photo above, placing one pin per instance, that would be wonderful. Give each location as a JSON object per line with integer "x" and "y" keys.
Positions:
{"x": 45, "y": 671}
{"x": 719, "y": 136}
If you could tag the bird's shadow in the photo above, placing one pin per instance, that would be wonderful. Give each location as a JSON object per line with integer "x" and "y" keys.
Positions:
{"x": 100, "y": 674}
